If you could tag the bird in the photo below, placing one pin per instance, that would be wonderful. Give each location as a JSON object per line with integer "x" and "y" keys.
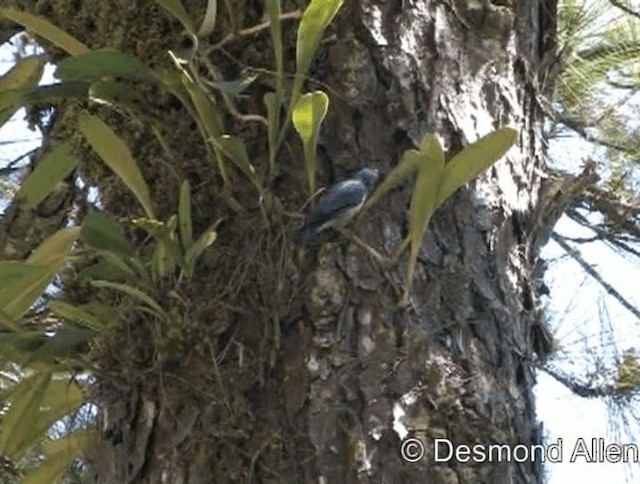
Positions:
{"x": 339, "y": 204}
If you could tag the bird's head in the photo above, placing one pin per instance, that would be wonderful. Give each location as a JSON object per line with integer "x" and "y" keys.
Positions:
{"x": 368, "y": 176}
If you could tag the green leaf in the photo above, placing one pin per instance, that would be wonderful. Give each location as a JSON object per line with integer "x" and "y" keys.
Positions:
{"x": 184, "y": 214}
{"x": 9, "y": 104}
{"x": 273, "y": 13}
{"x": 29, "y": 279}
{"x": 314, "y": 22}
{"x": 101, "y": 231}
{"x": 207, "y": 238}
{"x": 47, "y": 30}
{"x": 475, "y": 158}
{"x": 54, "y": 167}
{"x": 117, "y": 156}
{"x": 25, "y": 400}
{"x": 60, "y": 454}
{"x": 113, "y": 268}
{"x": 235, "y": 149}
{"x": 77, "y": 314}
{"x": 308, "y": 113}
{"x": 116, "y": 94}
{"x": 209, "y": 19}
{"x": 25, "y": 73}
{"x": 54, "y": 92}
{"x": 430, "y": 169}
{"x": 98, "y": 64}
{"x": 56, "y": 248}
{"x": 403, "y": 170}
{"x": 59, "y": 347}
{"x": 133, "y": 292}
{"x": 175, "y": 8}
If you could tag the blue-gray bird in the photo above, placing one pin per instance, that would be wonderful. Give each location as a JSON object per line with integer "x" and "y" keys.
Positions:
{"x": 339, "y": 204}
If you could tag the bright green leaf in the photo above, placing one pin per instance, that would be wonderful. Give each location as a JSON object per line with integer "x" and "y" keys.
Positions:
{"x": 47, "y": 30}
{"x": 475, "y": 158}
{"x": 54, "y": 167}
{"x": 308, "y": 114}
{"x": 115, "y": 153}
{"x": 314, "y": 22}
{"x": 97, "y": 64}
{"x": 430, "y": 169}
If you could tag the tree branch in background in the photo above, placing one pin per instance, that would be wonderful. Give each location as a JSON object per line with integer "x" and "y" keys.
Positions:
{"x": 624, "y": 8}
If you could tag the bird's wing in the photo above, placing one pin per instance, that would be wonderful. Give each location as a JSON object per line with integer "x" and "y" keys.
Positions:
{"x": 338, "y": 199}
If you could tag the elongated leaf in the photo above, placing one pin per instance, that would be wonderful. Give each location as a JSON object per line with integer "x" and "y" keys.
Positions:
{"x": 207, "y": 238}
{"x": 9, "y": 104}
{"x": 56, "y": 248}
{"x": 97, "y": 64}
{"x": 314, "y": 22}
{"x": 7, "y": 321}
{"x": 308, "y": 114}
{"x": 205, "y": 106}
{"x": 60, "y": 453}
{"x": 175, "y": 8}
{"x": 430, "y": 170}
{"x": 102, "y": 232}
{"x": 475, "y": 158}
{"x": 18, "y": 278}
{"x": 63, "y": 345}
{"x": 47, "y": 30}
{"x": 273, "y": 118}
{"x": 133, "y": 292}
{"x": 184, "y": 213}
{"x": 404, "y": 169}
{"x": 273, "y": 13}
{"x": 54, "y": 167}
{"x": 24, "y": 74}
{"x": 117, "y": 94}
{"x": 42, "y": 265}
{"x": 117, "y": 156}
{"x": 25, "y": 400}
{"x": 235, "y": 149}
{"x": 209, "y": 19}
{"x": 54, "y": 92}
{"x": 78, "y": 315}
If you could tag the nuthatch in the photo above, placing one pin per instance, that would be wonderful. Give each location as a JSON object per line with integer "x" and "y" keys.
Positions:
{"x": 339, "y": 204}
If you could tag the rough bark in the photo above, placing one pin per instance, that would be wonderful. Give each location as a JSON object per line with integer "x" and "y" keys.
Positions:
{"x": 296, "y": 364}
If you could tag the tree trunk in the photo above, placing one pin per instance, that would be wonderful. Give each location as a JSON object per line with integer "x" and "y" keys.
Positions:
{"x": 297, "y": 364}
